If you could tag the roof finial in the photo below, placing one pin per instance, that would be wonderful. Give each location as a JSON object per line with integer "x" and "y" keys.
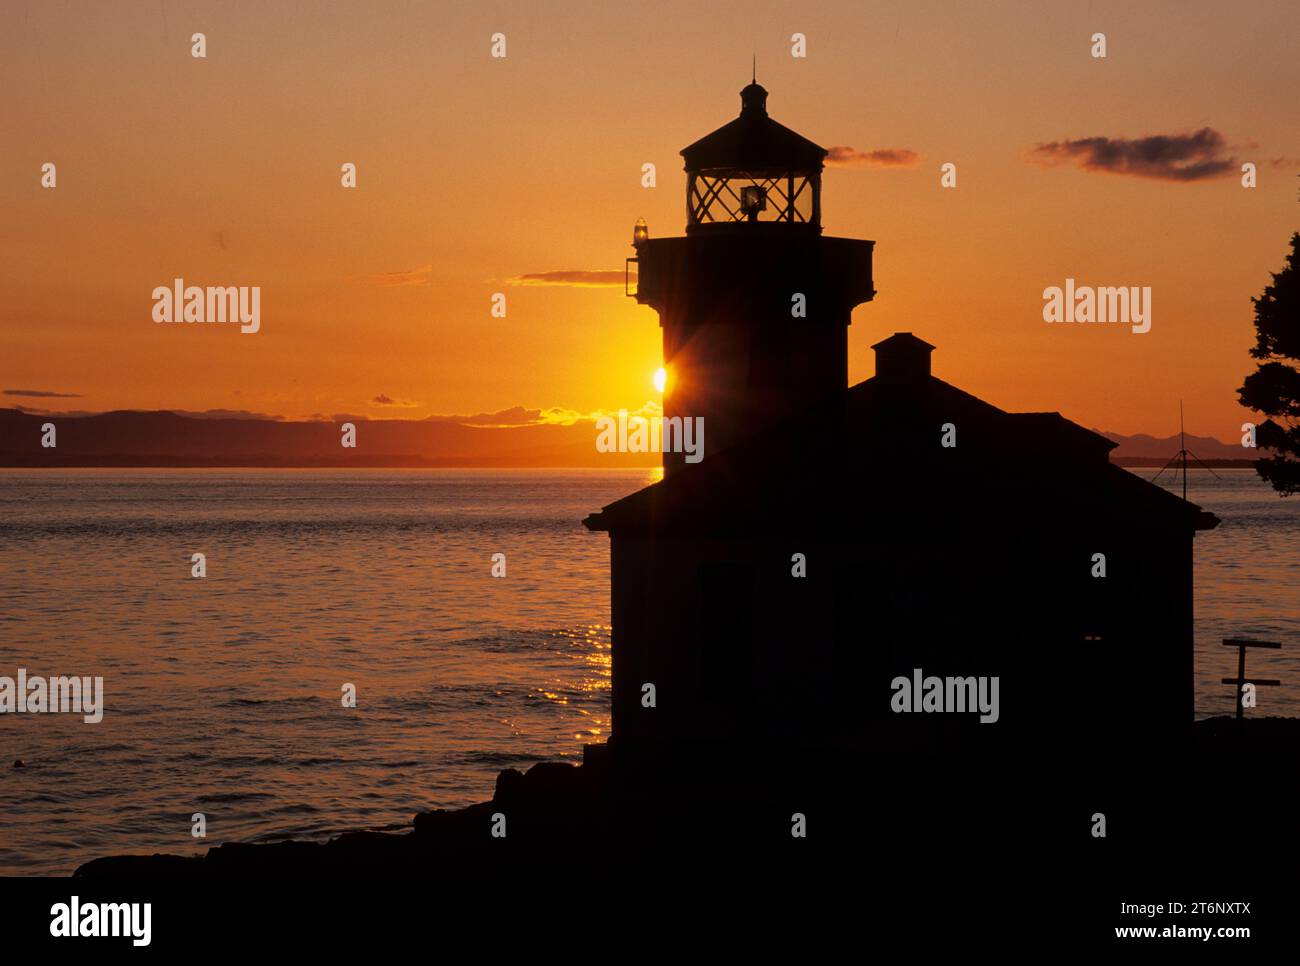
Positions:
{"x": 754, "y": 76}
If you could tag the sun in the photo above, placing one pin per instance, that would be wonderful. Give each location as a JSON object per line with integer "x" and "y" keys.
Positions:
{"x": 660, "y": 379}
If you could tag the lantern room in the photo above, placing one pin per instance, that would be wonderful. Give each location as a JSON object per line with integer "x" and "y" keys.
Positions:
{"x": 753, "y": 170}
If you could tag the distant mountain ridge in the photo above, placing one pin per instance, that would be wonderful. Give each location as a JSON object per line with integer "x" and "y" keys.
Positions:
{"x": 134, "y": 438}
{"x": 165, "y": 438}
{"x": 1145, "y": 450}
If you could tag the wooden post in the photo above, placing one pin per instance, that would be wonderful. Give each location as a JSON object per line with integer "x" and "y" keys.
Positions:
{"x": 1240, "y": 680}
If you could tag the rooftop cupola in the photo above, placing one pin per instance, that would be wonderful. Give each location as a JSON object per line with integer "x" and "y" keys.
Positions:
{"x": 903, "y": 358}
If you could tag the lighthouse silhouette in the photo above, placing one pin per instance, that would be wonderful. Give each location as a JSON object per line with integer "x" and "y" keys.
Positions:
{"x": 754, "y": 300}
{"x": 835, "y": 539}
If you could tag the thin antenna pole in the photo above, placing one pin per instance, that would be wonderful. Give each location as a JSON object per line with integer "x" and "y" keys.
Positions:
{"x": 1182, "y": 454}
{"x": 754, "y": 75}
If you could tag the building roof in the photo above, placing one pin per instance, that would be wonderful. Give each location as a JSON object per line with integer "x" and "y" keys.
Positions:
{"x": 754, "y": 142}
{"x": 875, "y": 448}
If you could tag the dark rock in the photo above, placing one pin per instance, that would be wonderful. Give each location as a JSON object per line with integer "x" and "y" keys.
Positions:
{"x": 668, "y": 807}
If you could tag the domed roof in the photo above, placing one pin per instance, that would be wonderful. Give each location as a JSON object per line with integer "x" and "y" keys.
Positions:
{"x": 754, "y": 142}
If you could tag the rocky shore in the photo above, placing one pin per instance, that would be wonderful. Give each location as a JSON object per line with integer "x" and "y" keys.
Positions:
{"x": 1230, "y": 779}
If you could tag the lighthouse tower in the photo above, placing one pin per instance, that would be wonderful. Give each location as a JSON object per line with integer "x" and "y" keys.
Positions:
{"x": 754, "y": 301}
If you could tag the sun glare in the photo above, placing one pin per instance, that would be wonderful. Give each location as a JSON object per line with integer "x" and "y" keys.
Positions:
{"x": 660, "y": 379}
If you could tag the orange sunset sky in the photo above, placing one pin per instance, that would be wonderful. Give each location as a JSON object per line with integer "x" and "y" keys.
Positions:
{"x": 474, "y": 172}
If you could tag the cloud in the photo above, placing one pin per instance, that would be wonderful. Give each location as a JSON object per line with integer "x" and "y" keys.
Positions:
{"x": 573, "y": 279}
{"x": 1193, "y": 156}
{"x": 558, "y": 415}
{"x": 189, "y": 413}
{"x": 551, "y": 416}
{"x": 383, "y": 399}
{"x": 843, "y": 156}
{"x": 417, "y": 276}
{"x": 514, "y": 416}
{"x": 225, "y": 414}
{"x": 43, "y": 394}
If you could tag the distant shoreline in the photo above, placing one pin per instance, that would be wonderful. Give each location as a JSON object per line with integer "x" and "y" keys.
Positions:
{"x": 158, "y": 439}
{"x": 359, "y": 462}
{"x": 1152, "y": 462}
{"x": 608, "y": 461}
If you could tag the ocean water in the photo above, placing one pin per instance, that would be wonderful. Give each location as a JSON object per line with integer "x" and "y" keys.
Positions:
{"x": 223, "y": 694}
{"x": 1247, "y": 579}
